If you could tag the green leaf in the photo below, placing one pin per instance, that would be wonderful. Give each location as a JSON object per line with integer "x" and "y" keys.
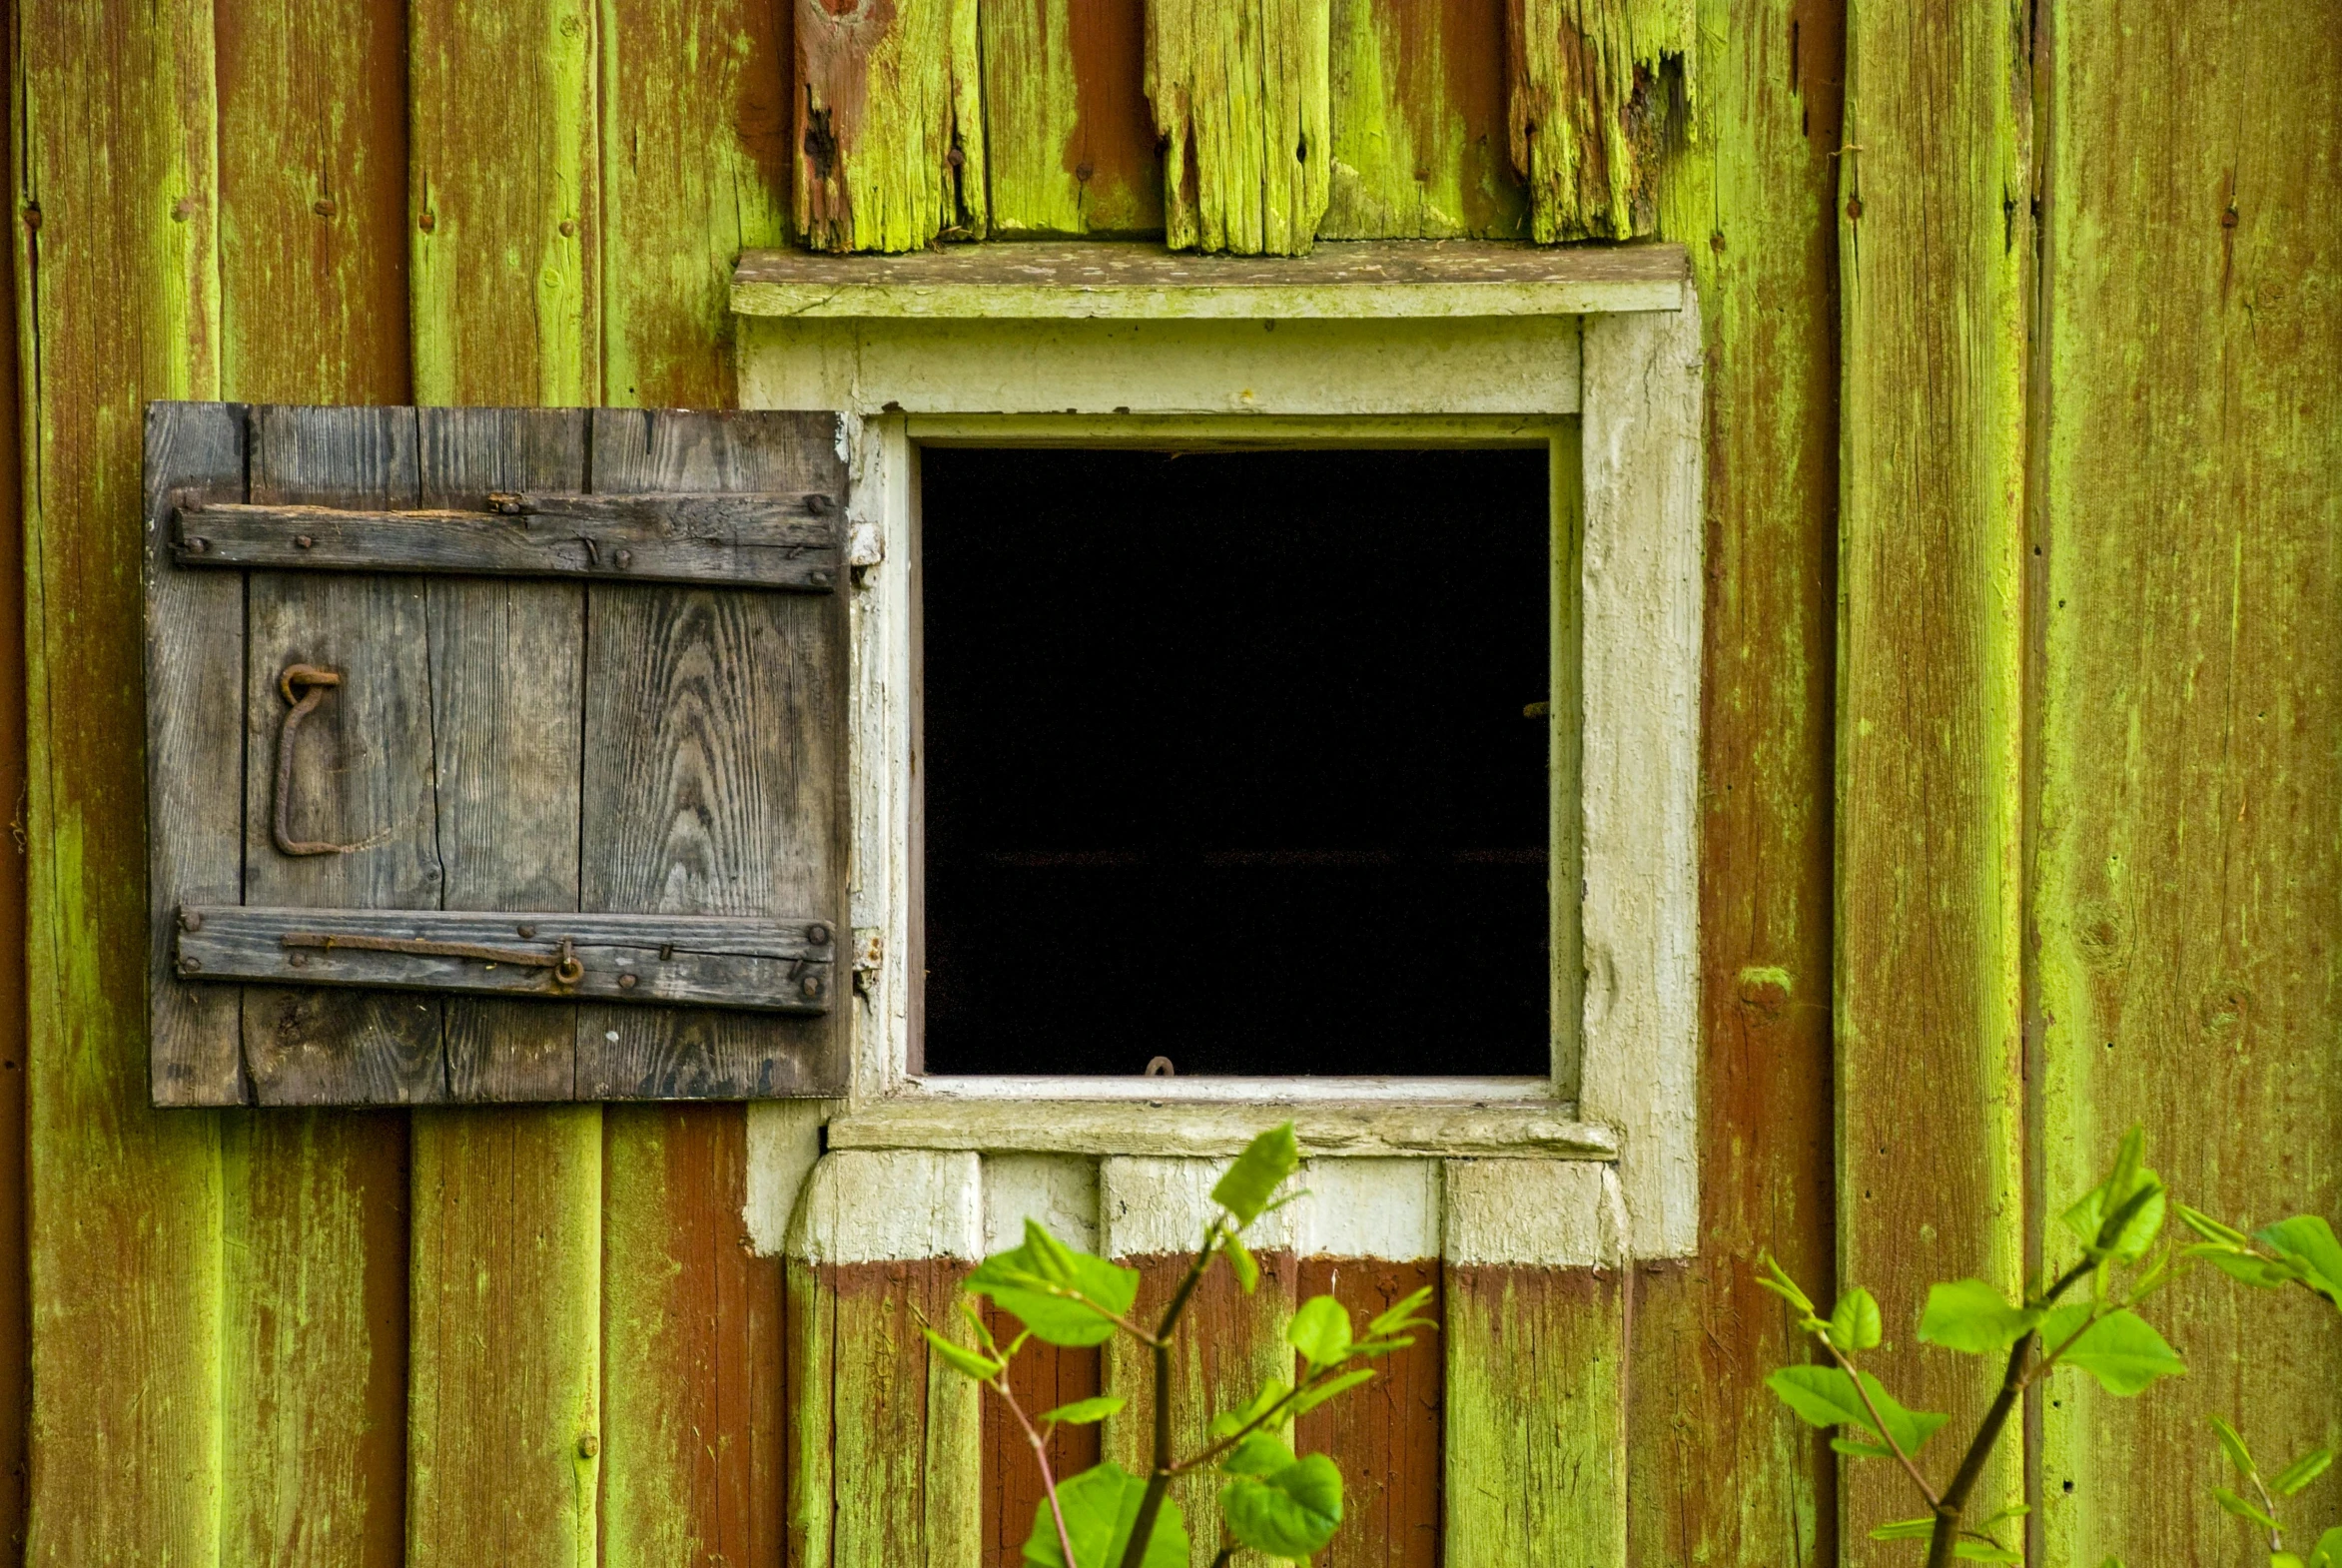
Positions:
{"x": 1318, "y": 1393}
{"x": 964, "y": 1361}
{"x": 1857, "y": 1326}
{"x": 2283, "y": 1560}
{"x": 2307, "y": 1243}
{"x": 1905, "y": 1530}
{"x": 1824, "y": 1397}
{"x": 1776, "y": 1280}
{"x": 2265, "y": 1273}
{"x": 1084, "y": 1411}
{"x": 1968, "y": 1314}
{"x": 2210, "y": 1229}
{"x": 1239, "y": 1258}
{"x": 2122, "y": 1350}
{"x": 1245, "y": 1415}
{"x": 2328, "y": 1552}
{"x": 2121, "y": 1216}
{"x": 1259, "y": 1171}
{"x": 1321, "y": 1330}
{"x": 1261, "y": 1454}
{"x": 2302, "y": 1472}
{"x": 2242, "y": 1509}
{"x": 1046, "y": 1283}
{"x": 1100, "y": 1505}
{"x": 1290, "y": 1513}
{"x": 1972, "y": 1550}
{"x": 2232, "y": 1440}
{"x": 1854, "y": 1450}
{"x": 1401, "y": 1315}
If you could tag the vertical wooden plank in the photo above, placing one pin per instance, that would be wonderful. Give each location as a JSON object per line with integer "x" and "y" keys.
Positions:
{"x": 714, "y": 760}
{"x": 313, "y": 204}
{"x": 1386, "y": 1437}
{"x": 15, "y": 1279}
{"x": 1935, "y": 252}
{"x": 1240, "y": 94}
{"x": 1718, "y": 1471}
{"x": 697, "y": 111}
{"x": 508, "y": 662}
{"x": 1228, "y": 1342}
{"x": 503, "y": 1435}
{"x": 361, "y": 766}
{"x": 887, "y": 1469}
{"x": 1068, "y": 136}
{"x": 504, "y": 186}
{"x": 1418, "y": 121}
{"x": 1597, "y": 90}
{"x": 117, "y": 290}
{"x": 890, "y": 125}
{"x": 1535, "y": 1339}
{"x": 2187, "y": 626}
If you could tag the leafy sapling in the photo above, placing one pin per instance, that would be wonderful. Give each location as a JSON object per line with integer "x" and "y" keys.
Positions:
{"x": 2298, "y": 1251}
{"x": 1272, "y": 1499}
{"x": 2118, "y": 1224}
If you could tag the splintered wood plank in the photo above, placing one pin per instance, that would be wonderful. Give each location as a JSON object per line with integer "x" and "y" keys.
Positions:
{"x": 1535, "y": 1415}
{"x": 890, "y": 125}
{"x": 361, "y": 766}
{"x": 693, "y": 1413}
{"x": 505, "y": 257}
{"x": 714, "y": 761}
{"x": 1719, "y": 1470}
{"x": 506, "y": 665}
{"x": 504, "y": 1339}
{"x": 1241, "y": 90}
{"x": 2188, "y": 627}
{"x": 195, "y": 753}
{"x": 697, "y": 104}
{"x": 1597, "y": 89}
{"x": 117, "y": 302}
{"x": 1933, "y": 264}
{"x": 1066, "y": 132}
{"x": 1417, "y": 119}
{"x": 1228, "y": 1343}
{"x": 1386, "y": 1435}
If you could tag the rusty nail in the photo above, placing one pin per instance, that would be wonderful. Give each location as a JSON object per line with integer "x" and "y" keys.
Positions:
{"x": 954, "y": 157}
{"x": 2228, "y": 218}
{"x": 820, "y": 580}
{"x": 427, "y": 221}
{"x": 626, "y": 982}
{"x": 322, "y": 206}
{"x": 568, "y": 227}
{"x": 198, "y": 546}
{"x": 817, "y": 933}
{"x": 187, "y": 966}
{"x": 810, "y": 985}
{"x": 817, "y": 504}
{"x": 588, "y": 1446}
{"x": 525, "y": 930}
{"x": 666, "y": 952}
{"x": 1082, "y": 171}
{"x": 299, "y": 961}
{"x": 189, "y": 919}
{"x": 32, "y": 215}
{"x": 504, "y": 503}
{"x": 303, "y": 540}
{"x": 1854, "y": 207}
{"x": 624, "y": 558}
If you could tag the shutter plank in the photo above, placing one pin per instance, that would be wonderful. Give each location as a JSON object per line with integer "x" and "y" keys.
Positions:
{"x": 714, "y": 760}
{"x": 195, "y": 760}
{"x": 361, "y": 766}
{"x": 506, "y": 662}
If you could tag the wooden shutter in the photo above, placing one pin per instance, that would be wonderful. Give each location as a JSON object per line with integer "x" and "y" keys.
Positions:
{"x": 494, "y": 754}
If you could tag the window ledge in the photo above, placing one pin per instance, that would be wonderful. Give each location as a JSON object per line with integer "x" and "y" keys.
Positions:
{"x": 1327, "y": 1124}
{"x": 1091, "y": 280}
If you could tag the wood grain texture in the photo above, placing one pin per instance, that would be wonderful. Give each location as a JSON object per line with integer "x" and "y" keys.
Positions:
{"x": 1068, "y": 139}
{"x": 118, "y": 302}
{"x": 1241, "y": 97}
{"x": 714, "y": 766}
{"x": 195, "y": 754}
{"x": 361, "y": 766}
{"x": 1598, "y": 90}
{"x": 2186, "y": 616}
{"x": 697, "y": 111}
{"x": 503, "y": 221}
{"x": 1535, "y": 1417}
{"x": 1718, "y": 1471}
{"x": 695, "y": 1414}
{"x": 889, "y": 124}
{"x": 1041, "y": 1378}
{"x": 503, "y": 1434}
{"x": 1418, "y": 118}
{"x": 1388, "y": 1436}
{"x": 1935, "y": 256}
{"x": 15, "y": 1155}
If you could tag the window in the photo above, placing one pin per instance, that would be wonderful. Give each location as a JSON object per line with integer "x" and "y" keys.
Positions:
{"x": 1235, "y": 762}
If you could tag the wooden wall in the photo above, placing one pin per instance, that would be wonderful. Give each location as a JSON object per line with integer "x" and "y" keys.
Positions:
{"x": 2020, "y": 775}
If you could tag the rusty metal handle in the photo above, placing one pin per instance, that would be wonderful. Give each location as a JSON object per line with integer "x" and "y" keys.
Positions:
{"x": 563, "y": 960}
{"x": 304, "y": 686}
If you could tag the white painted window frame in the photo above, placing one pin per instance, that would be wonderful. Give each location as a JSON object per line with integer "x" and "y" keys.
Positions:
{"x": 1609, "y": 378}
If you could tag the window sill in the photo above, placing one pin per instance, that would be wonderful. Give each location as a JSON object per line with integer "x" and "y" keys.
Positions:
{"x": 1214, "y": 1118}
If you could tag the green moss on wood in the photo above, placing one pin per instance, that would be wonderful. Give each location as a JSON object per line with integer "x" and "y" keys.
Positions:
{"x": 1600, "y": 89}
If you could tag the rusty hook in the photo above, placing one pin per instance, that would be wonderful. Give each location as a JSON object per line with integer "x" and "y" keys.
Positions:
{"x": 304, "y": 686}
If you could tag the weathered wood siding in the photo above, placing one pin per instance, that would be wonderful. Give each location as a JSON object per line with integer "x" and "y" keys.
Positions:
{"x": 2019, "y": 784}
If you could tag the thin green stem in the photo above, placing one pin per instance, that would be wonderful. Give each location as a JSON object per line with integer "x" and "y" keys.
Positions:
{"x": 1040, "y": 1442}
{"x": 1159, "y": 1478}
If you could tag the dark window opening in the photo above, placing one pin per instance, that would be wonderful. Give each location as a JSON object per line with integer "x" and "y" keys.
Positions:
{"x": 1230, "y": 759}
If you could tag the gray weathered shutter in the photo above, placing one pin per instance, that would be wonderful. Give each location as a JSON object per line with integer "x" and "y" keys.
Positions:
{"x": 494, "y": 754}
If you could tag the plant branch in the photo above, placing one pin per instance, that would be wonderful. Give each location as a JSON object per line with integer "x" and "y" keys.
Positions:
{"x": 1040, "y": 1442}
{"x": 1264, "y": 1418}
{"x": 1159, "y": 1479}
{"x": 1880, "y": 1422}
